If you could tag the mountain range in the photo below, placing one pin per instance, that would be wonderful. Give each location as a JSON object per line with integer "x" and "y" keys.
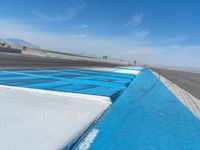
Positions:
{"x": 19, "y": 42}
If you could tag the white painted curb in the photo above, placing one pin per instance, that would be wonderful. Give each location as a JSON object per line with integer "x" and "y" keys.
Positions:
{"x": 99, "y": 98}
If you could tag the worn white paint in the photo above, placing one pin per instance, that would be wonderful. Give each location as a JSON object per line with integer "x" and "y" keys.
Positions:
{"x": 85, "y": 145}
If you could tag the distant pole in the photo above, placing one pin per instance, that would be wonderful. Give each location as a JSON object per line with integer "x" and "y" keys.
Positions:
{"x": 135, "y": 62}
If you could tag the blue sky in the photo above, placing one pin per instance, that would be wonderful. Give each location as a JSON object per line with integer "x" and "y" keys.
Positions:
{"x": 153, "y": 32}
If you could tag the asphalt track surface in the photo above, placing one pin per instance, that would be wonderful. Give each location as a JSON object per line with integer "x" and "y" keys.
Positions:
{"x": 186, "y": 80}
{"x": 14, "y": 60}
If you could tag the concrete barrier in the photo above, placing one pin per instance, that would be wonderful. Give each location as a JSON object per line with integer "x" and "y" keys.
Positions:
{"x": 10, "y": 50}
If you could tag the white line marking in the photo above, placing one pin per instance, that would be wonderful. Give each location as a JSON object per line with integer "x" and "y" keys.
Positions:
{"x": 63, "y": 94}
{"x": 117, "y": 70}
{"x": 88, "y": 140}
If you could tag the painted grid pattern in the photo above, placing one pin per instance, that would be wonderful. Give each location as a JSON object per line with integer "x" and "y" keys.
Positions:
{"x": 77, "y": 80}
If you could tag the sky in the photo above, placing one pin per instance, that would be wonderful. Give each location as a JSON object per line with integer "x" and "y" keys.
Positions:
{"x": 153, "y": 32}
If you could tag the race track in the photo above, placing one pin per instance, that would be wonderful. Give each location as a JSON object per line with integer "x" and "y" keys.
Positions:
{"x": 186, "y": 80}
{"x": 13, "y": 60}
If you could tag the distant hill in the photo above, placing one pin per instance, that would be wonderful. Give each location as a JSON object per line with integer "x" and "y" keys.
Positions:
{"x": 19, "y": 42}
{"x": 1, "y": 40}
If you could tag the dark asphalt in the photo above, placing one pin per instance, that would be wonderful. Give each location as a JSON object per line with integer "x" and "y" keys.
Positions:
{"x": 186, "y": 80}
{"x": 14, "y": 60}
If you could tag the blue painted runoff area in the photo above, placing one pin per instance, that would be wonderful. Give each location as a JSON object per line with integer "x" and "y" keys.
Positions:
{"x": 75, "y": 80}
{"x": 147, "y": 116}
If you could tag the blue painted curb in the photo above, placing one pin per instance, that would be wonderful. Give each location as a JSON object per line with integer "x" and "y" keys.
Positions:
{"x": 147, "y": 116}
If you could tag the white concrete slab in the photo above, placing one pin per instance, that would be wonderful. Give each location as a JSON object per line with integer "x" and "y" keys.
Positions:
{"x": 36, "y": 121}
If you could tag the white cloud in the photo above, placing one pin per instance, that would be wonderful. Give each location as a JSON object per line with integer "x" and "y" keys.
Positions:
{"x": 78, "y": 4}
{"x": 58, "y": 18}
{"x": 81, "y": 26}
{"x": 128, "y": 48}
{"x": 180, "y": 38}
{"x": 70, "y": 12}
{"x": 140, "y": 34}
{"x": 136, "y": 20}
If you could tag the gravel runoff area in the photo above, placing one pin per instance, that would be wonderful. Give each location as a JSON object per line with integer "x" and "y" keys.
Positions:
{"x": 13, "y": 60}
{"x": 188, "y": 81}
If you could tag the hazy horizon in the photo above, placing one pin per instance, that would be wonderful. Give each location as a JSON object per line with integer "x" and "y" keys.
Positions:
{"x": 157, "y": 33}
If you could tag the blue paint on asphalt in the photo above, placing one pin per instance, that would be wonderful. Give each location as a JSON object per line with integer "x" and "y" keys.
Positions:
{"x": 75, "y": 80}
{"x": 147, "y": 116}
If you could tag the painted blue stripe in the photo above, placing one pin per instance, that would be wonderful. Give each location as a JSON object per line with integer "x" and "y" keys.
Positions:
{"x": 109, "y": 84}
{"x": 47, "y": 85}
{"x": 82, "y": 76}
{"x": 104, "y": 91}
{"x": 108, "y": 76}
{"x": 68, "y": 80}
{"x": 147, "y": 116}
{"x": 80, "y": 70}
{"x": 106, "y": 79}
{"x": 76, "y": 88}
{"x": 108, "y": 73}
{"x": 16, "y": 78}
{"x": 25, "y": 80}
